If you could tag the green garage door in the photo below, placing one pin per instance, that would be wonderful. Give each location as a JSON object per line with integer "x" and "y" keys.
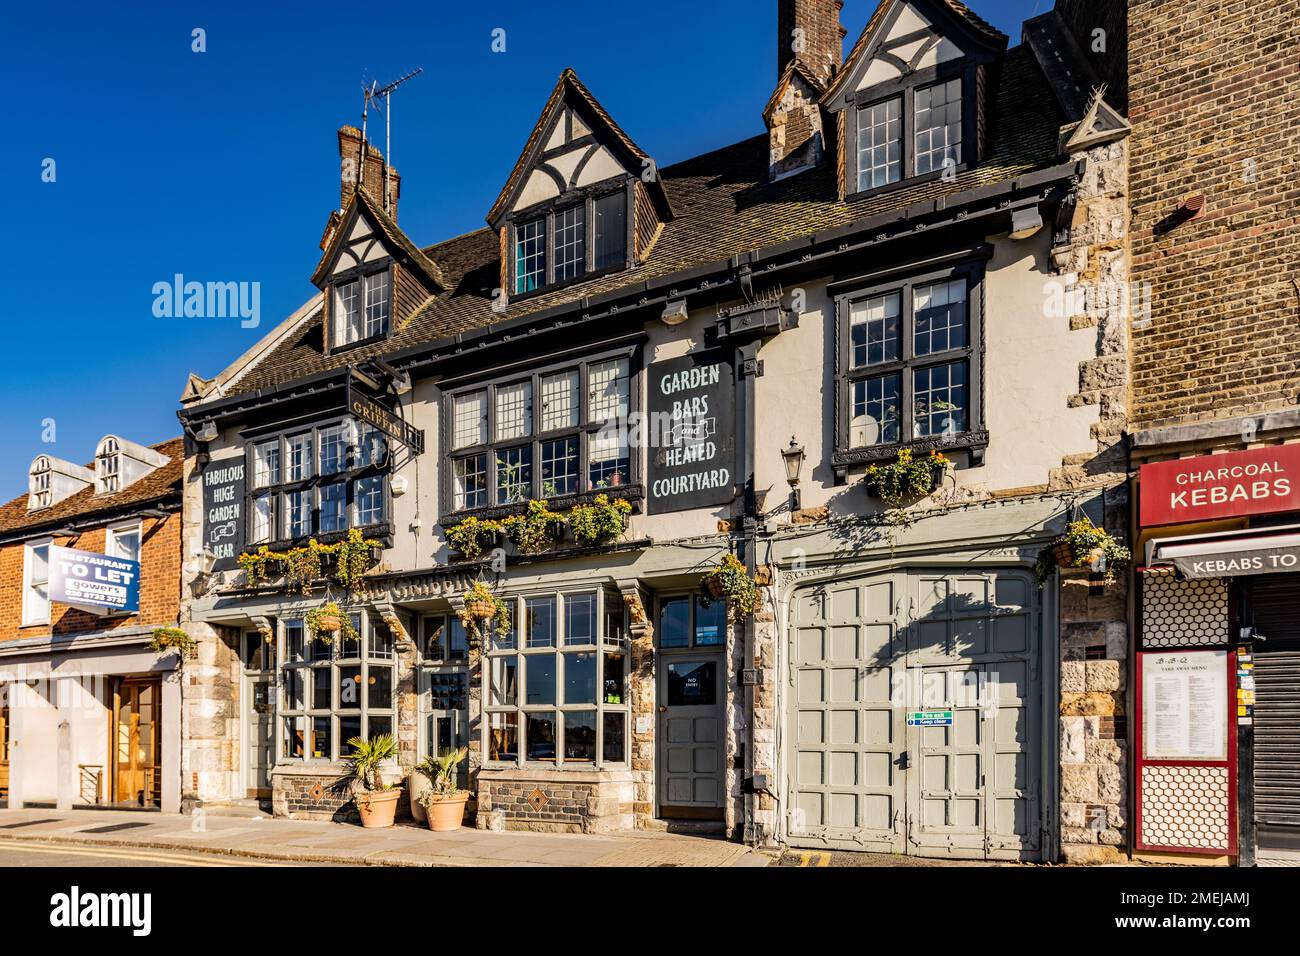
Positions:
{"x": 914, "y": 721}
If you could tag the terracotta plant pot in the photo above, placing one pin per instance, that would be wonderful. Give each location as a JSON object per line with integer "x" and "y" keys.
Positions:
{"x": 378, "y": 807}
{"x": 446, "y": 813}
{"x": 417, "y": 785}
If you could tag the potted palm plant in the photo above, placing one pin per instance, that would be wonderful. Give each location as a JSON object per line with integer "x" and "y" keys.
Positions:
{"x": 443, "y": 802}
{"x": 376, "y": 799}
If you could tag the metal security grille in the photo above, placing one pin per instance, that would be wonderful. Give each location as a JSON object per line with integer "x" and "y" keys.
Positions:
{"x": 1275, "y": 601}
{"x": 1186, "y": 808}
{"x": 1183, "y": 613}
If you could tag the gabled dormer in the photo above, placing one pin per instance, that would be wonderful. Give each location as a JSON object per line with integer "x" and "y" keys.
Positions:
{"x": 51, "y": 480}
{"x": 582, "y": 200}
{"x": 120, "y": 463}
{"x": 372, "y": 275}
{"x": 911, "y": 100}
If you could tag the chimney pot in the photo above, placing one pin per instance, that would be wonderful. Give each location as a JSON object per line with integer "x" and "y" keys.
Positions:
{"x": 350, "y": 167}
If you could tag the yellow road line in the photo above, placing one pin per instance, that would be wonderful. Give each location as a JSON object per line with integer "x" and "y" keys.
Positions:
{"x": 119, "y": 853}
{"x": 814, "y": 858}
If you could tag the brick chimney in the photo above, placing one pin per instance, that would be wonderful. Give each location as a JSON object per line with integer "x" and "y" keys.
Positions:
{"x": 350, "y": 165}
{"x": 809, "y": 34}
{"x": 811, "y": 31}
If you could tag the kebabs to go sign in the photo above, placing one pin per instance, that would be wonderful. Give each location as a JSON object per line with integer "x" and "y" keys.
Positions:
{"x": 1256, "y": 482}
{"x": 692, "y": 427}
{"x": 94, "y": 582}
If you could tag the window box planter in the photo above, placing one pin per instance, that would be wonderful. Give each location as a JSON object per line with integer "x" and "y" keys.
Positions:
{"x": 470, "y": 538}
{"x": 907, "y": 479}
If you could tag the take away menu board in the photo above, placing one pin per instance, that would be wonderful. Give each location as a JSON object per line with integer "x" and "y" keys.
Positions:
{"x": 1185, "y": 706}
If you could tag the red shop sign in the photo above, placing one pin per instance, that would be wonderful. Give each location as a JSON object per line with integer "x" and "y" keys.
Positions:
{"x": 1256, "y": 482}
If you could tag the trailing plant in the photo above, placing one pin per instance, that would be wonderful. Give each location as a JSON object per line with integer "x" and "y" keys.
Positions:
{"x": 441, "y": 773}
{"x": 353, "y": 557}
{"x": 907, "y": 478}
{"x": 172, "y": 639}
{"x": 329, "y": 622}
{"x": 302, "y": 566}
{"x": 730, "y": 580}
{"x": 1083, "y": 545}
{"x": 467, "y": 537}
{"x": 534, "y": 530}
{"x": 367, "y": 758}
{"x": 600, "y": 521}
{"x": 483, "y": 613}
{"x": 254, "y": 564}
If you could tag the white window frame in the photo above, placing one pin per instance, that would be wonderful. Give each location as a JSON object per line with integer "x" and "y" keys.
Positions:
{"x": 29, "y": 618}
{"x": 113, "y": 532}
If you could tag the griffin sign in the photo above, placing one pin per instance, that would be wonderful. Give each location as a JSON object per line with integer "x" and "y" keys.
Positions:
{"x": 1256, "y": 482}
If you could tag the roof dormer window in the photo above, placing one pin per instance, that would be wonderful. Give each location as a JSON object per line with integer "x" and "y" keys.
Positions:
{"x": 40, "y": 492}
{"x": 362, "y": 307}
{"x": 917, "y": 131}
{"x": 571, "y": 241}
{"x": 108, "y": 466}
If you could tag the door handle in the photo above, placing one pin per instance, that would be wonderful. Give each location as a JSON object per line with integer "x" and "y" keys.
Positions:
{"x": 663, "y": 708}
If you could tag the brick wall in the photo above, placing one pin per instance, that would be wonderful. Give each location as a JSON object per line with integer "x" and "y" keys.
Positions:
{"x": 160, "y": 583}
{"x": 554, "y": 802}
{"x": 822, "y": 36}
{"x": 1214, "y": 94}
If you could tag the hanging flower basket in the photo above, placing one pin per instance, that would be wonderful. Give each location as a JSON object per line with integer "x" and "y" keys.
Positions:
{"x": 1083, "y": 545}
{"x": 730, "y": 580}
{"x": 328, "y": 622}
{"x": 482, "y": 613}
{"x": 167, "y": 639}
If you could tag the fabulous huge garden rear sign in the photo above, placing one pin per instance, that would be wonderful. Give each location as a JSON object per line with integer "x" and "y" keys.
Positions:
{"x": 692, "y": 419}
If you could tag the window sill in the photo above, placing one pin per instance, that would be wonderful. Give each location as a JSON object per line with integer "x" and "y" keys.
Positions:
{"x": 634, "y": 494}
{"x": 905, "y": 183}
{"x": 358, "y": 344}
{"x": 973, "y": 442}
{"x": 568, "y": 283}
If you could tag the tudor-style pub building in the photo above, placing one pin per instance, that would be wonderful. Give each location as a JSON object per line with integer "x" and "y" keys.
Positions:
{"x": 870, "y": 276}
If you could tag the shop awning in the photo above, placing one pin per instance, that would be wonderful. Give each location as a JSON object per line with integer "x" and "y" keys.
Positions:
{"x": 1229, "y": 554}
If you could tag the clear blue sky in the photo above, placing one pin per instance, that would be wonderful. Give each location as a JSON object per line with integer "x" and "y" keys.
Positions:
{"x": 223, "y": 165}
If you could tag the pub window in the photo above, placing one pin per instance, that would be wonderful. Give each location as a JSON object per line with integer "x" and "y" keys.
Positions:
{"x": 584, "y": 236}
{"x": 444, "y": 681}
{"x": 361, "y": 309}
{"x": 916, "y": 131}
{"x": 556, "y": 684}
{"x": 538, "y": 437}
{"x": 319, "y": 481}
{"x": 692, "y": 621}
{"x": 331, "y": 693}
{"x": 910, "y": 362}
{"x": 123, "y": 541}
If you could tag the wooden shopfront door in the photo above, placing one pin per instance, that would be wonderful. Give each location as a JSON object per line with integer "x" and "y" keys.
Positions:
{"x": 137, "y": 718}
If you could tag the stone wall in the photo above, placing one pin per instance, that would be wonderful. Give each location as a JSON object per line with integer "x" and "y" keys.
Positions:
{"x": 555, "y": 801}
{"x": 324, "y": 794}
{"x": 210, "y": 723}
{"x": 1094, "y": 265}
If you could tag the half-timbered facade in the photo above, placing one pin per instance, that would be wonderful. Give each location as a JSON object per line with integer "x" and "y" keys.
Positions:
{"x": 880, "y": 272}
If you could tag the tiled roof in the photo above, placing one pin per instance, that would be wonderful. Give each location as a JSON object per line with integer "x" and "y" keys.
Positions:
{"x": 723, "y": 205}
{"x": 159, "y": 483}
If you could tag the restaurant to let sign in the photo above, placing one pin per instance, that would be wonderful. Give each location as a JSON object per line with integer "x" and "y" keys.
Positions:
{"x": 1237, "y": 484}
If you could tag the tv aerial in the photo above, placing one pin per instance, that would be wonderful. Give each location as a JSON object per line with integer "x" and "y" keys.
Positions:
{"x": 372, "y": 92}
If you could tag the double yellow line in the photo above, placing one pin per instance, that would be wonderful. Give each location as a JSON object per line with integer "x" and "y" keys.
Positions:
{"x": 117, "y": 853}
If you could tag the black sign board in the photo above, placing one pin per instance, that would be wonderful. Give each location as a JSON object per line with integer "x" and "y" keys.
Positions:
{"x": 223, "y": 511}
{"x": 1230, "y": 563}
{"x": 693, "y": 434}
{"x": 366, "y": 409}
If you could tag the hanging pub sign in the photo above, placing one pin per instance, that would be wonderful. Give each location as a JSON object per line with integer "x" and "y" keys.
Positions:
{"x": 366, "y": 409}
{"x": 223, "y": 512}
{"x": 1256, "y": 482}
{"x": 94, "y": 582}
{"x": 692, "y": 417}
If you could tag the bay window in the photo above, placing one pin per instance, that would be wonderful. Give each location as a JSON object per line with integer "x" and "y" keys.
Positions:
{"x": 331, "y": 693}
{"x": 570, "y": 240}
{"x": 556, "y": 685}
{"x": 317, "y": 481}
{"x": 554, "y": 433}
{"x": 910, "y": 360}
